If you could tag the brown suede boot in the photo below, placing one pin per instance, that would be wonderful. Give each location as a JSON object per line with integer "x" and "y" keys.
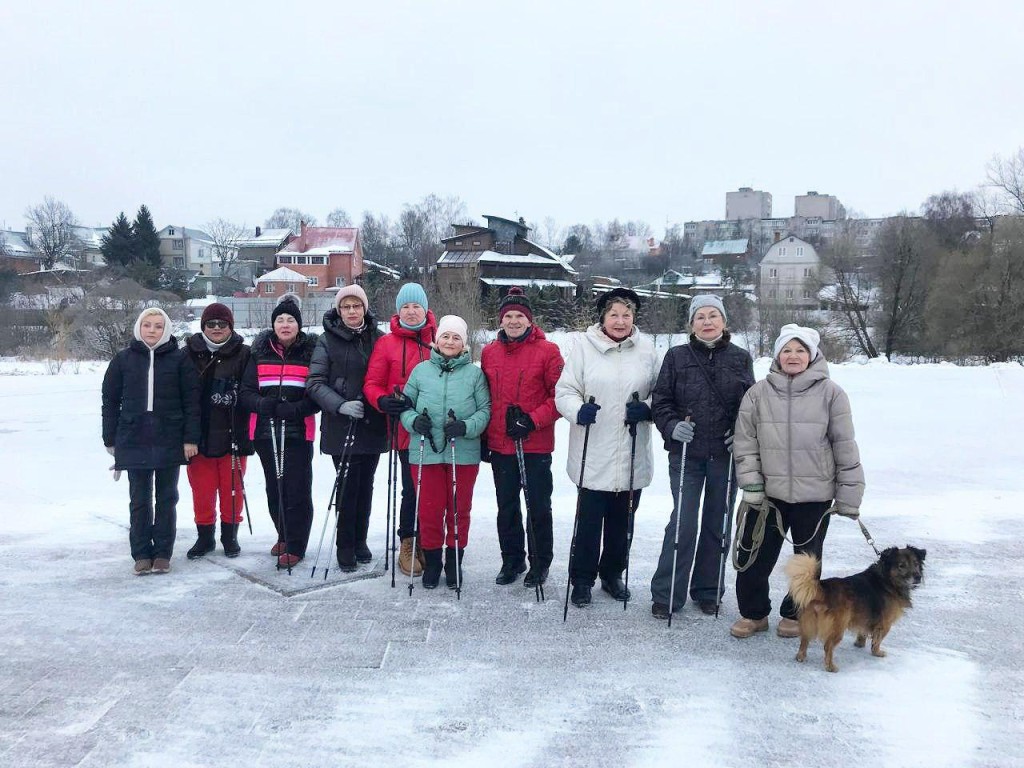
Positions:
{"x": 408, "y": 563}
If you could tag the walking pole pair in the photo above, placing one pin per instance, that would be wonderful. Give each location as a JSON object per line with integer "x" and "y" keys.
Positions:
{"x": 278, "y": 445}
{"x": 387, "y": 499}
{"x": 340, "y": 477}
{"x": 521, "y": 460}
{"x": 416, "y": 511}
{"x": 675, "y": 542}
{"x": 576, "y": 523}
{"x": 726, "y": 530}
{"x": 236, "y": 466}
{"x": 391, "y": 521}
{"x": 629, "y": 527}
{"x": 455, "y": 511}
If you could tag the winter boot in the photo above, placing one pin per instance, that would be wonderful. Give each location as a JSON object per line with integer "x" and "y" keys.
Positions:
{"x": 510, "y": 570}
{"x": 432, "y": 570}
{"x": 347, "y": 559}
{"x": 408, "y": 563}
{"x": 616, "y": 588}
{"x": 229, "y": 539}
{"x": 205, "y": 544}
{"x": 450, "y": 564}
{"x": 581, "y": 595}
{"x": 788, "y": 628}
{"x": 536, "y": 576}
{"x": 363, "y": 553}
{"x": 744, "y": 628}
{"x": 419, "y": 555}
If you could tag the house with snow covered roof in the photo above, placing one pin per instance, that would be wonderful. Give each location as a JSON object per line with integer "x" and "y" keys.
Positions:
{"x": 262, "y": 247}
{"x": 726, "y": 253}
{"x": 186, "y": 248}
{"x": 280, "y": 281}
{"x": 500, "y": 255}
{"x": 328, "y": 257}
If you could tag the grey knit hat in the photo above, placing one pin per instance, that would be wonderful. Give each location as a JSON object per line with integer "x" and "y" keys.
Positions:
{"x": 709, "y": 300}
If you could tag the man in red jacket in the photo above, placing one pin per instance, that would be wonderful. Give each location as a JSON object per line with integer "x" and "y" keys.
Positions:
{"x": 522, "y": 367}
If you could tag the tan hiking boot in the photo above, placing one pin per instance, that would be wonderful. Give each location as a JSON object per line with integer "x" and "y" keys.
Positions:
{"x": 407, "y": 562}
{"x": 161, "y": 565}
{"x": 747, "y": 627}
{"x": 143, "y": 566}
{"x": 788, "y": 628}
{"x": 419, "y": 555}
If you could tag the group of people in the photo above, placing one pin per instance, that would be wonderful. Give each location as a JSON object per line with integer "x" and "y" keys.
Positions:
{"x": 787, "y": 441}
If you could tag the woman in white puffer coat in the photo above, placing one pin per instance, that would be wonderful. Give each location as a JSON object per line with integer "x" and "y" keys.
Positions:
{"x": 609, "y": 361}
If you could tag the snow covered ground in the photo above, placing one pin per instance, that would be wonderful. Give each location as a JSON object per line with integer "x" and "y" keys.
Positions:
{"x": 226, "y": 663}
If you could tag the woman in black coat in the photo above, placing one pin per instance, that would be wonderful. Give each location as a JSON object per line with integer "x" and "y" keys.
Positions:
{"x": 348, "y": 429}
{"x": 695, "y": 404}
{"x": 220, "y": 356}
{"x": 283, "y": 425}
{"x": 151, "y": 428}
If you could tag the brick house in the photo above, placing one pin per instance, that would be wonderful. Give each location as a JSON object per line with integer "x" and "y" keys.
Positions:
{"x": 280, "y": 281}
{"x": 327, "y": 257}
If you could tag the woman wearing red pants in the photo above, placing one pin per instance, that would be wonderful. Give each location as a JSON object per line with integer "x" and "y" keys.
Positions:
{"x": 450, "y": 403}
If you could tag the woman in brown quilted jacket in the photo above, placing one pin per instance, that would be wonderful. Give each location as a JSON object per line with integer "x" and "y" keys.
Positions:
{"x": 794, "y": 449}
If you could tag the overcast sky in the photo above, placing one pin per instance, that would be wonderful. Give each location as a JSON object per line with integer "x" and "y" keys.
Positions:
{"x": 577, "y": 111}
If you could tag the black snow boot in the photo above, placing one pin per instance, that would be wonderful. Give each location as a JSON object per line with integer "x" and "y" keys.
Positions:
{"x": 432, "y": 570}
{"x": 347, "y": 559}
{"x": 580, "y": 595}
{"x": 510, "y": 570}
{"x": 205, "y": 544}
{"x": 450, "y": 563}
{"x": 229, "y": 539}
{"x": 536, "y": 576}
{"x": 363, "y": 553}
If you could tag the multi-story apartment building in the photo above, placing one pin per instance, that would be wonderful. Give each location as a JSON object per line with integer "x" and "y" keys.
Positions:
{"x": 748, "y": 203}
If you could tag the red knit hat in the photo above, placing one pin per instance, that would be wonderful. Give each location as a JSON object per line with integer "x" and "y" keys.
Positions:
{"x": 515, "y": 299}
{"x": 217, "y": 311}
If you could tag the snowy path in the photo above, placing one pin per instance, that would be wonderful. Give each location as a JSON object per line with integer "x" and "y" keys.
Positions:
{"x": 203, "y": 667}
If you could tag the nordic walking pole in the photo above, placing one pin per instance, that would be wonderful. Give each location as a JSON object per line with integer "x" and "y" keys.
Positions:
{"x": 236, "y": 462}
{"x": 387, "y": 499}
{"x": 455, "y": 512}
{"x": 576, "y": 523}
{"x": 726, "y": 531}
{"x": 521, "y": 460}
{"x": 333, "y": 499}
{"x": 629, "y": 525}
{"x": 675, "y": 541}
{"x": 343, "y": 468}
{"x": 416, "y": 509}
{"x": 279, "y": 467}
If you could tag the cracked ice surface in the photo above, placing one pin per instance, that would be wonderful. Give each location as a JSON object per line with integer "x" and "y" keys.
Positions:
{"x": 225, "y": 663}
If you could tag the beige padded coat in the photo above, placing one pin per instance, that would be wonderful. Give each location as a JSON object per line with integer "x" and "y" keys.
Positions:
{"x": 794, "y": 436}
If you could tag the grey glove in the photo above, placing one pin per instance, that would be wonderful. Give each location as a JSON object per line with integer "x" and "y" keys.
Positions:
{"x": 754, "y": 496}
{"x": 683, "y": 432}
{"x": 729, "y": 437}
{"x": 352, "y": 408}
{"x": 842, "y": 509}
{"x": 110, "y": 449}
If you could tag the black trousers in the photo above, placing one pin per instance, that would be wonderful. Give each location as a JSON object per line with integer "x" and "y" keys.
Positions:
{"x": 353, "y": 506}
{"x": 407, "y": 506}
{"x": 151, "y": 528}
{"x": 295, "y": 520}
{"x": 752, "y": 584}
{"x": 507, "y": 486}
{"x": 610, "y": 509}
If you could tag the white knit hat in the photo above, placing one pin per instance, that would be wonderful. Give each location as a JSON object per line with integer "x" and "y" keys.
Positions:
{"x": 807, "y": 336}
{"x": 453, "y": 324}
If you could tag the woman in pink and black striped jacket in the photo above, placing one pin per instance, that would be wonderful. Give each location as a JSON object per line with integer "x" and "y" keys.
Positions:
{"x": 274, "y": 390}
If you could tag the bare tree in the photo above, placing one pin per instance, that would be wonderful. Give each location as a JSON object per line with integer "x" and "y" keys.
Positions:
{"x": 52, "y": 231}
{"x": 338, "y": 218}
{"x": 1007, "y": 176}
{"x": 102, "y": 322}
{"x": 225, "y": 236}
{"x": 905, "y": 250}
{"x": 853, "y": 288}
{"x": 289, "y": 218}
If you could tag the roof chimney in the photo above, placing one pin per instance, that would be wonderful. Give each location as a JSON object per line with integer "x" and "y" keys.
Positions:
{"x": 257, "y": 231}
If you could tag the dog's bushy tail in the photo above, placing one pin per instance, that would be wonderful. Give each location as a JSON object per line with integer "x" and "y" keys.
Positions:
{"x": 804, "y": 584}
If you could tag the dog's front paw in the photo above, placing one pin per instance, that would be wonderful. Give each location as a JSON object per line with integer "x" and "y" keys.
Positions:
{"x": 859, "y": 642}
{"x": 801, "y": 655}
{"x": 829, "y": 667}
{"x": 878, "y": 652}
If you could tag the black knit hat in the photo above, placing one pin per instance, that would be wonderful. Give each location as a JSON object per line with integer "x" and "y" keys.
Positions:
{"x": 515, "y": 299}
{"x": 622, "y": 294}
{"x": 288, "y": 304}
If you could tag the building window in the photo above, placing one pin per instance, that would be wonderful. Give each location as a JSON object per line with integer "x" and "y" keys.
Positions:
{"x": 807, "y": 271}
{"x": 268, "y": 287}
{"x": 302, "y": 260}
{"x": 284, "y": 259}
{"x": 179, "y": 262}
{"x": 789, "y": 293}
{"x": 773, "y": 273}
{"x": 771, "y": 294}
{"x": 170, "y": 231}
{"x": 782, "y": 250}
{"x": 799, "y": 250}
{"x": 458, "y": 242}
{"x": 178, "y": 245}
{"x": 313, "y": 281}
{"x": 317, "y": 259}
{"x": 476, "y": 242}
{"x": 339, "y": 282}
{"x": 807, "y": 294}
{"x": 202, "y": 254}
{"x": 291, "y": 287}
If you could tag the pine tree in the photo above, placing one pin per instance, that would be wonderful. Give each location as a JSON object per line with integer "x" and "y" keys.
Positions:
{"x": 146, "y": 241}
{"x": 118, "y": 246}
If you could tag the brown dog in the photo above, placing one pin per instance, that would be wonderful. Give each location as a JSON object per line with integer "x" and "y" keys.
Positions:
{"x": 869, "y": 602}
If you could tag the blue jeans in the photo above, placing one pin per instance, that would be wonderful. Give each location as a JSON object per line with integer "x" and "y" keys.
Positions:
{"x": 699, "y": 553}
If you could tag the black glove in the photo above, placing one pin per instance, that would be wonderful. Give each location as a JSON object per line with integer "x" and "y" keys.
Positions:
{"x": 394, "y": 405}
{"x": 455, "y": 428}
{"x": 587, "y": 414}
{"x": 266, "y": 407}
{"x": 637, "y": 411}
{"x": 422, "y": 425}
{"x": 518, "y": 424}
{"x": 286, "y": 410}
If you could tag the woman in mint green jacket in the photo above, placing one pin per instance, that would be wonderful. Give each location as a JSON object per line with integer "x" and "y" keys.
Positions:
{"x": 450, "y": 403}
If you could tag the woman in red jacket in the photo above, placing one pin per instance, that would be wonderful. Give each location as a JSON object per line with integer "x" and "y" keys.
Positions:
{"x": 413, "y": 328}
{"x": 522, "y": 368}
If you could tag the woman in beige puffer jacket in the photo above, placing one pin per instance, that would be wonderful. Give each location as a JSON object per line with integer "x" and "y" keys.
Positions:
{"x": 795, "y": 446}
